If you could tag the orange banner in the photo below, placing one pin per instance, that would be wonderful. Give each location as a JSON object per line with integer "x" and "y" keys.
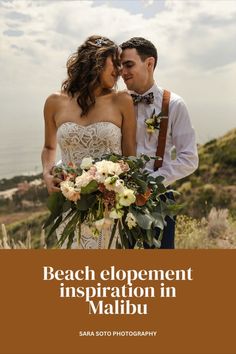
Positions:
{"x": 117, "y": 301}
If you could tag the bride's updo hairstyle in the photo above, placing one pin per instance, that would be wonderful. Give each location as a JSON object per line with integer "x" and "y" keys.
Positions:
{"x": 84, "y": 68}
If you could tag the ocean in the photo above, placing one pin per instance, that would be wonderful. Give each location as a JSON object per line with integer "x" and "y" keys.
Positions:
{"x": 20, "y": 151}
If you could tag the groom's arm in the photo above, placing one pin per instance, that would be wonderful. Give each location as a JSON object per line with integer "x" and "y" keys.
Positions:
{"x": 184, "y": 140}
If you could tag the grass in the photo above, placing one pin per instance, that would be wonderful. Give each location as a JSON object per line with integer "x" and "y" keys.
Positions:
{"x": 7, "y": 242}
{"x": 25, "y": 232}
{"x": 217, "y": 230}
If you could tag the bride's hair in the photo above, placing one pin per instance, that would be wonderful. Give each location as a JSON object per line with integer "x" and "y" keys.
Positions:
{"x": 84, "y": 68}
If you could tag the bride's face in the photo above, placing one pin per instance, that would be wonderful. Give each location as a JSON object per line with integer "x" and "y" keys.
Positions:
{"x": 109, "y": 74}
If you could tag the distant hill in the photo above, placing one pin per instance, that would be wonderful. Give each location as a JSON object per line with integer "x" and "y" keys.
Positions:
{"x": 8, "y": 183}
{"x": 214, "y": 183}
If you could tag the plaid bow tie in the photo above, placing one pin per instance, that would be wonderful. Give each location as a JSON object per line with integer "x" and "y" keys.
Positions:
{"x": 148, "y": 99}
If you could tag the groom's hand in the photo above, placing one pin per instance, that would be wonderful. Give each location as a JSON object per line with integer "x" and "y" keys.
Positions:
{"x": 52, "y": 183}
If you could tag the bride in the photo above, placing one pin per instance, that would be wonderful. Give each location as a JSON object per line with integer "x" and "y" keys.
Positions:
{"x": 88, "y": 117}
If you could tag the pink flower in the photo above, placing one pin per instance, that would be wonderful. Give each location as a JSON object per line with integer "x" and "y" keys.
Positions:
{"x": 124, "y": 166}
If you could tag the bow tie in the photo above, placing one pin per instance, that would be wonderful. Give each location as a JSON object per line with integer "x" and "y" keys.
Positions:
{"x": 148, "y": 99}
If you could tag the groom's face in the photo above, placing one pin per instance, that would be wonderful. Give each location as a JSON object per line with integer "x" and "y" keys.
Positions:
{"x": 134, "y": 71}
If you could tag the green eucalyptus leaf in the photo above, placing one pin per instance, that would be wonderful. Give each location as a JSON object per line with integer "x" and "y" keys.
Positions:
{"x": 143, "y": 220}
{"x": 55, "y": 201}
{"x": 161, "y": 189}
{"x": 112, "y": 233}
{"x": 156, "y": 243}
{"x": 86, "y": 201}
{"x": 173, "y": 209}
{"x": 55, "y": 226}
{"x": 150, "y": 236}
{"x": 69, "y": 228}
{"x": 146, "y": 158}
{"x": 158, "y": 220}
{"x": 114, "y": 158}
{"x": 159, "y": 179}
{"x": 71, "y": 237}
{"x": 50, "y": 220}
{"x": 123, "y": 238}
{"x": 141, "y": 184}
{"x": 66, "y": 206}
{"x": 90, "y": 188}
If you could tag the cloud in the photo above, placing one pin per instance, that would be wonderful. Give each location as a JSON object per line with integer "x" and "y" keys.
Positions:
{"x": 15, "y": 15}
{"x": 194, "y": 41}
{"x": 146, "y": 8}
{"x": 13, "y": 33}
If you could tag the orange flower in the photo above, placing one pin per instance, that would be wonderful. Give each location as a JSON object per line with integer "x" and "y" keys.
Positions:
{"x": 142, "y": 198}
{"x": 72, "y": 164}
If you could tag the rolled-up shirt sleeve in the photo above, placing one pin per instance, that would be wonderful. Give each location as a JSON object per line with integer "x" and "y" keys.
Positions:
{"x": 182, "y": 136}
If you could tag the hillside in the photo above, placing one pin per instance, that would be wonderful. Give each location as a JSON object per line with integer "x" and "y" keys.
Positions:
{"x": 214, "y": 183}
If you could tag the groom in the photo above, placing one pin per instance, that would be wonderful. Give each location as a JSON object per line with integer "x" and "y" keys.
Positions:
{"x": 139, "y": 59}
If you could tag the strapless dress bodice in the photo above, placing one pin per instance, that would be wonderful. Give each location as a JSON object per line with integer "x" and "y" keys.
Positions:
{"x": 77, "y": 141}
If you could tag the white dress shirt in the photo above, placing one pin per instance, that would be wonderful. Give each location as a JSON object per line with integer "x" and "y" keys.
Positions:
{"x": 180, "y": 134}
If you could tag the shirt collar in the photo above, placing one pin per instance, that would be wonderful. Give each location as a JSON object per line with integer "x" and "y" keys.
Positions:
{"x": 153, "y": 89}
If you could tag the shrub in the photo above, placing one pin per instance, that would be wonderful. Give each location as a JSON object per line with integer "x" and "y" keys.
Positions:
{"x": 217, "y": 222}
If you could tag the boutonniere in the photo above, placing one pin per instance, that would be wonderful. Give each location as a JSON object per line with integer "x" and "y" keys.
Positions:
{"x": 153, "y": 122}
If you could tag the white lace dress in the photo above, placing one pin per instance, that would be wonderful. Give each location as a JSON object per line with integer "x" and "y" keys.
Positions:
{"x": 76, "y": 142}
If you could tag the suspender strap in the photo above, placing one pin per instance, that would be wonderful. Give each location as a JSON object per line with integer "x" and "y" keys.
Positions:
{"x": 163, "y": 129}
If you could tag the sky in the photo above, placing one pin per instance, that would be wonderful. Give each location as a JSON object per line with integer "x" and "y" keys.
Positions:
{"x": 195, "y": 42}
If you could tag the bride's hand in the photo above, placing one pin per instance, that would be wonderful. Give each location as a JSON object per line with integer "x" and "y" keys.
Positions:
{"x": 52, "y": 183}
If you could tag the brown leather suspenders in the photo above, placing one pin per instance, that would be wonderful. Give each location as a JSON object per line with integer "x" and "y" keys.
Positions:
{"x": 163, "y": 129}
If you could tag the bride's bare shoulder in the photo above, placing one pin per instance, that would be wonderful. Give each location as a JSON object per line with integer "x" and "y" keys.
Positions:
{"x": 57, "y": 97}
{"x": 55, "y": 100}
{"x": 123, "y": 97}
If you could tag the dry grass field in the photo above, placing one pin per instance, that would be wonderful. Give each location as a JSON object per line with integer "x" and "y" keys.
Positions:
{"x": 218, "y": 230}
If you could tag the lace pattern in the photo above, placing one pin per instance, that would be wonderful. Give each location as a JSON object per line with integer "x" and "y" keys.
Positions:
{"x": 76, "y": 142}
{"x": 87, "y": 240}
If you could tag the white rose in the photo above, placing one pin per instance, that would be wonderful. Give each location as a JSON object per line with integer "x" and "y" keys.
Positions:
{"x": 86, "y": 163}
{"x": 83, "y": 180}
{"x": 105, "y": 169}
{"x": 109, "y": 183}
{"x": 119, "y": 186}
{"x": 69, "y": 191}
{"x": 117, "y": 169}
{"x": 114, "y": 184}
{"x": 116, "y": 214}
{"x": 131, "y": 221}
{"x": 127, "y": 197}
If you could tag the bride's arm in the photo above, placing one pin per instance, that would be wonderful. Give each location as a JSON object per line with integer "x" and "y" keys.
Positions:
{"x": 128, "y": 124}
{"x": 49, "y": 150}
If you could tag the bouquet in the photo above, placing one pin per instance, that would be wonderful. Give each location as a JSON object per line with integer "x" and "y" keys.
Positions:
{"x": 115, "y": 191}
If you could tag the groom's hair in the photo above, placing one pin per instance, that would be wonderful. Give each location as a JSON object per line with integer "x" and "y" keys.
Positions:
{"x": 144, "y": 47}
